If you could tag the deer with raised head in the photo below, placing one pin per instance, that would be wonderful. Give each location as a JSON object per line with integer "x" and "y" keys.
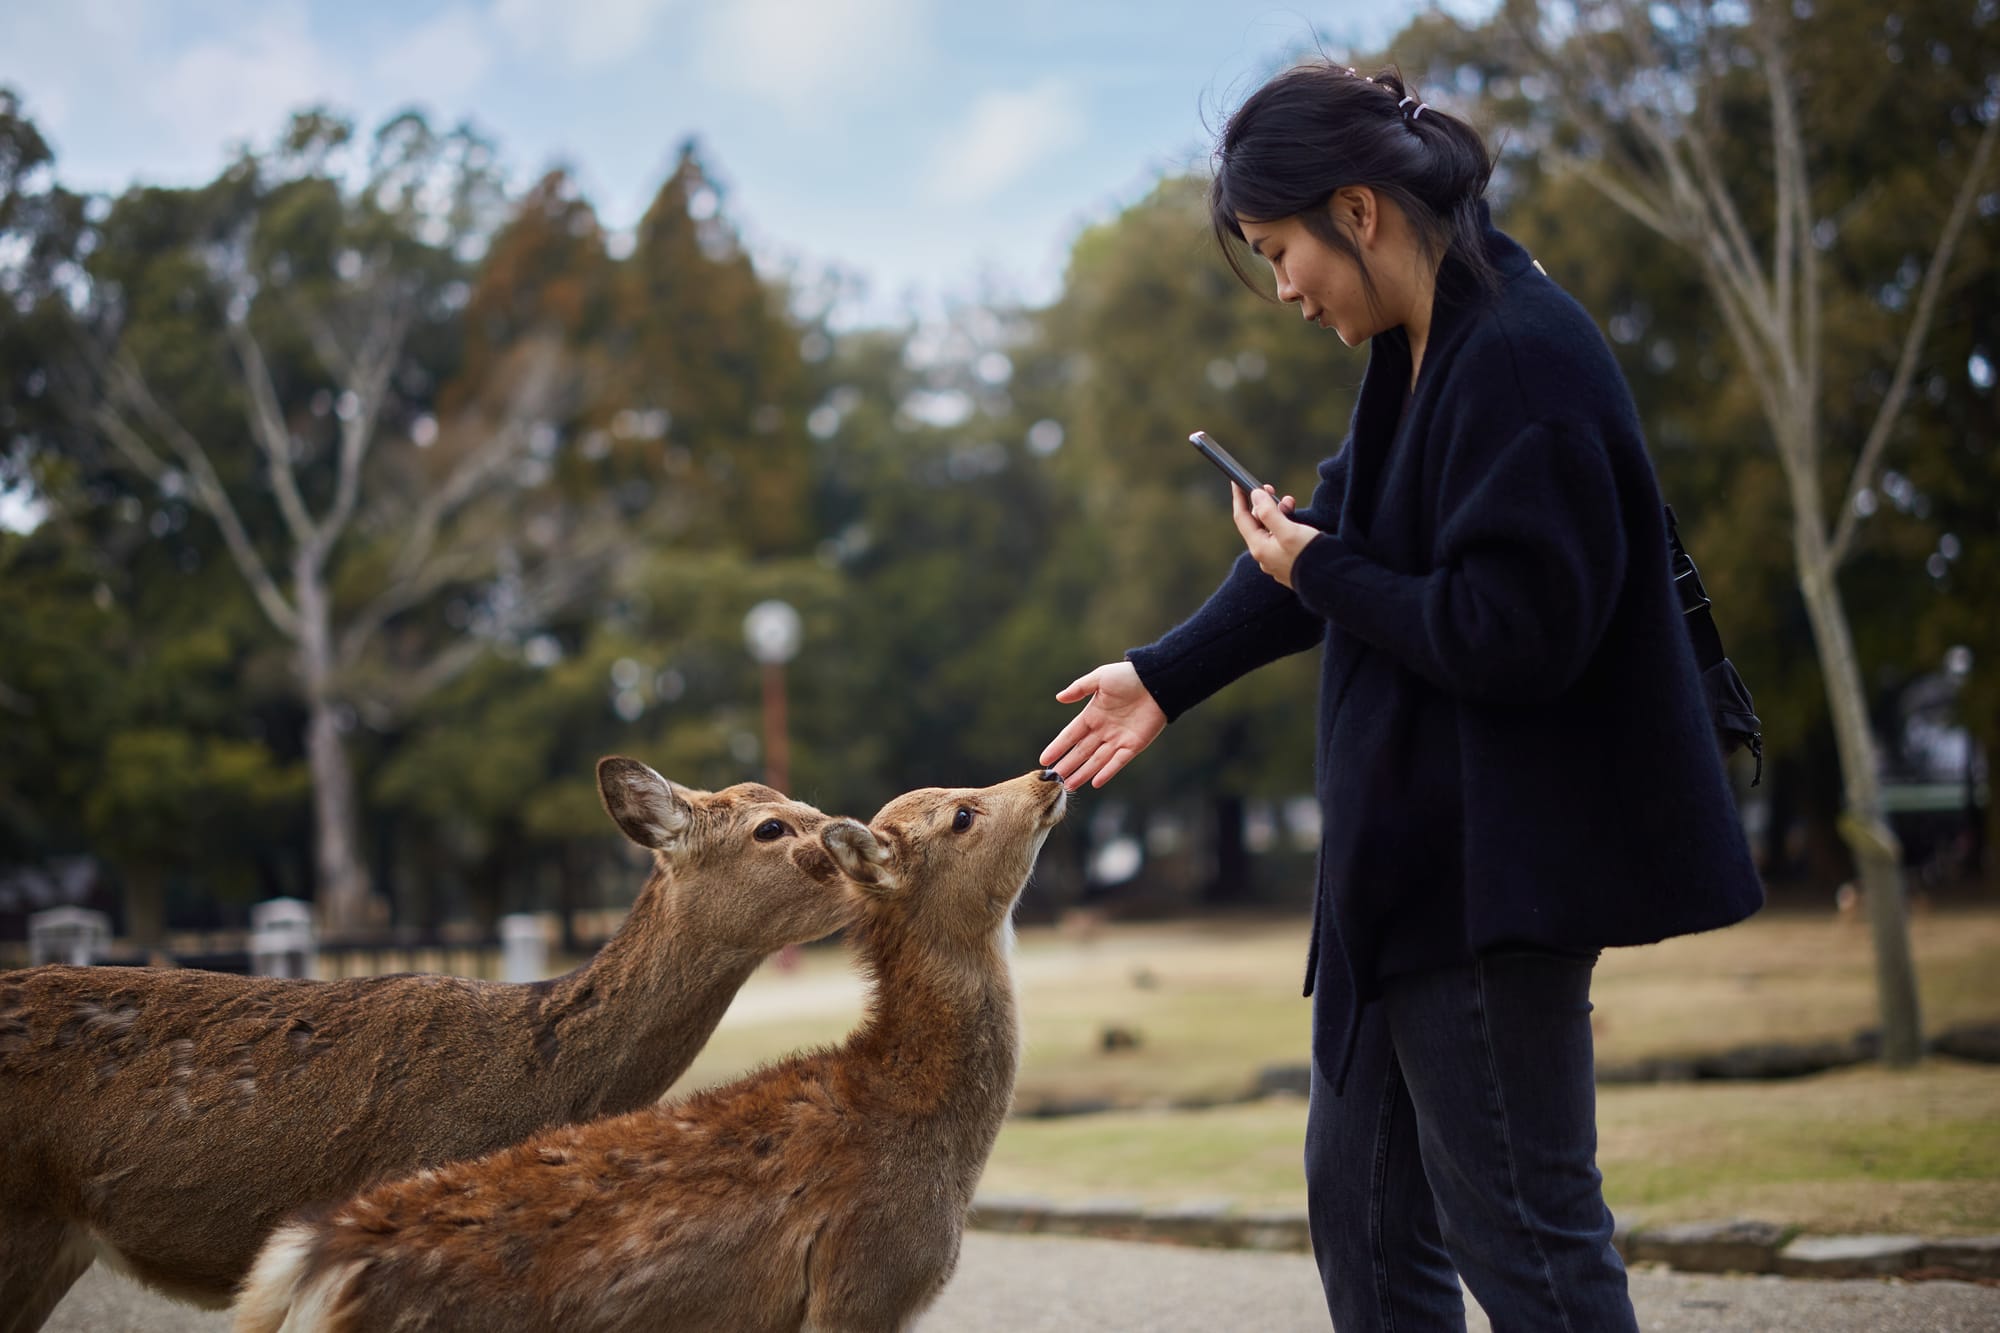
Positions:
{"x": 827, "y": 1192}
{"x": 166, "y": 1121}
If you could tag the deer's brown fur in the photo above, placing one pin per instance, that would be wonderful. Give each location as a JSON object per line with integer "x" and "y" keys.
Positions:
{"x": 168, "y": 1120}
{"x": 827, "y": 1192}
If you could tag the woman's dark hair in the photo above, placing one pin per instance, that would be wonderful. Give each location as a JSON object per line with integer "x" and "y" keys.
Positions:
{"x": 1319, "y": 127}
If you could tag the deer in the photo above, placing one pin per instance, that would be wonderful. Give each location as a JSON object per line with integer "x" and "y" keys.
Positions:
{"x": 167, "y": 1121}
{"x": 827, "y": 1192}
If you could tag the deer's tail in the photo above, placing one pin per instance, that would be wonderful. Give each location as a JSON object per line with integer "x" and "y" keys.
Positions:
{"x": 287, "y": 1293}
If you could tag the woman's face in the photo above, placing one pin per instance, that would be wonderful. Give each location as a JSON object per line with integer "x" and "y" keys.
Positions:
{"x": 1322, "y": 281}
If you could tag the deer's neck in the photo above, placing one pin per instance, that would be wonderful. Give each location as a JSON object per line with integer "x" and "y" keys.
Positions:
{"x": 636, "y": 1016}
{"x": 942, "y": 1036}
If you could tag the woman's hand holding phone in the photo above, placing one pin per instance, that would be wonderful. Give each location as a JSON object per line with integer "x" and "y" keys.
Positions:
{"x": 1245, "y": 485}
{"x": 1265, "y": 524}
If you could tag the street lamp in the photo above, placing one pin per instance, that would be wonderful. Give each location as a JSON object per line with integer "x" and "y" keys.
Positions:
{"x": 771, "y": 631}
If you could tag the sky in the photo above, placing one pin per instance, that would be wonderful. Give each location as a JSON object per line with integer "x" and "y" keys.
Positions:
{"x": 937, "y": 150}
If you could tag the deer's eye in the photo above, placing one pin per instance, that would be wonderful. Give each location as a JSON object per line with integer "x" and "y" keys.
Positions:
{"x": 771, "y": 829}
{"x": 961, "y": 821}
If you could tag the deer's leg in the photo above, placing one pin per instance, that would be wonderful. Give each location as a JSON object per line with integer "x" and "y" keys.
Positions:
{"x": 867, "y": 1295}
{"x": 40, "y": 1257}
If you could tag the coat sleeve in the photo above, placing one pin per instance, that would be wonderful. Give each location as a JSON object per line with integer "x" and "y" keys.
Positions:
{"x": 1248, "y": 622}
{"x": 1530, "y": 558}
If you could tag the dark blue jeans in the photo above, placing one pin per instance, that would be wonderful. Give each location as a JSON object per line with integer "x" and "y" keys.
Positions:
{"x": 1466, "y": 1144}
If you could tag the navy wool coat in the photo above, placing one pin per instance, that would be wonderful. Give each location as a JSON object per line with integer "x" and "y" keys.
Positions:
{"x": 1514, "y": 746}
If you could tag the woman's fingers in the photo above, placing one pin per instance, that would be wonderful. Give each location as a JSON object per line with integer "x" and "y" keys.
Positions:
{"x": 1092, "y": 766}
{"x": 1247, "y": 525}
{"x": 1066, "y": 739}
{"x": 1082, "y": 687}
{"x": 1120, "y": 755}
{"x": 1111, "y": 728}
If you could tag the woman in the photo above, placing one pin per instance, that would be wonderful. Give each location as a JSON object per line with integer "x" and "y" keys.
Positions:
{"x": 1516, "y": 761}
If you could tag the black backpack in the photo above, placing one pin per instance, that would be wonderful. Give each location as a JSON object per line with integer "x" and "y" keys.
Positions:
{"x": 1736, "y": 724}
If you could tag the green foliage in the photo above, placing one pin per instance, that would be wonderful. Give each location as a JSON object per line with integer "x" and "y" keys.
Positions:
{"x": 968, "y": 512}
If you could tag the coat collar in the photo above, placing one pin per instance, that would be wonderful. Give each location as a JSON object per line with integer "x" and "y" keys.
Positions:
{"x": 1454, "y": 309}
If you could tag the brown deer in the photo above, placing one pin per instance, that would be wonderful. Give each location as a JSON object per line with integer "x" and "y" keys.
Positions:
{"x": 166, "y": 1121}
{"x": 827, "y": 1192}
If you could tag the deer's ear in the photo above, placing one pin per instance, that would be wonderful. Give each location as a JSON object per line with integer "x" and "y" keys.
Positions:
{"x": 861, "y": 856}
{"x": 645, "y": 806}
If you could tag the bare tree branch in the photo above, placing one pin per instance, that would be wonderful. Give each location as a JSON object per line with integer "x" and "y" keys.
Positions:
{"x": 1788, "y": 170}
{"x": 326, "y": 344}
{"x": 1629, "y": 196}
{"x": 420, "y": 568}
{"x": 413, "y": 590}
{"x": 130, "y": 387}
{"x": 1681, "y": 208}
{"x": 369, "y": 383}
{"x": 1920, "y": 323}
{"x": 556, "y": 583}
{"x": 534, "y": 394}
{"x": 268, "y": 428}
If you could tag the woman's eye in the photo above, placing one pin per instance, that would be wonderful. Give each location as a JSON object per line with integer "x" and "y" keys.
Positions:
{"x": 771, "y": 828}
{"x": 962, "y": 820}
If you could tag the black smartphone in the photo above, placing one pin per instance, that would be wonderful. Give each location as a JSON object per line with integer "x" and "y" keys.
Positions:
{"x": 1224, "y": 460}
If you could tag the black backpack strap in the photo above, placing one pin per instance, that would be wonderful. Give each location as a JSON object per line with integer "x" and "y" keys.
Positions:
{"x": 1701, "y": 629}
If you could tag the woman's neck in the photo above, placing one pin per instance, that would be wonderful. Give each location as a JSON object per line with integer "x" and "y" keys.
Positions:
{"x": 1417, "y": 323}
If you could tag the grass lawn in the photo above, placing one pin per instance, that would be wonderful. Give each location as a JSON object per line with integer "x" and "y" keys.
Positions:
{"x": 1213, "y": 1002}
{"x": 1859, "y": 1150}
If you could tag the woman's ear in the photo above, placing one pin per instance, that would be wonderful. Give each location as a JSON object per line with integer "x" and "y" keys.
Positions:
{"x": 861, "y": 856}
{"x": 1356, "y": 210}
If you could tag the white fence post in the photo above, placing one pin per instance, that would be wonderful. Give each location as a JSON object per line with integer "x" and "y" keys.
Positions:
{"x": 282, "y": 940}
{"x": 524, "y": 947}
{"x": 68, "y": 935}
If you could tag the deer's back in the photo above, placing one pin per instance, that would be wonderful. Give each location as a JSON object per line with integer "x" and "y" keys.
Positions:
{"x": 726, "y": 1209}
{"x": 181, "y": 1114}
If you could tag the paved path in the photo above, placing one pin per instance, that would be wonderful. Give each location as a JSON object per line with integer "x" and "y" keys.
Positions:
{"x": 1047, "y": 1284}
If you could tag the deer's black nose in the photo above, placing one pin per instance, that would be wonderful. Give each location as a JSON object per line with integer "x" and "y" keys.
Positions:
{"x": 1050, "y": 775}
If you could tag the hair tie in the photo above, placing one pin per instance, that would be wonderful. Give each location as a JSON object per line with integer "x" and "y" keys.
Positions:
{"x": 1414, "y": 115}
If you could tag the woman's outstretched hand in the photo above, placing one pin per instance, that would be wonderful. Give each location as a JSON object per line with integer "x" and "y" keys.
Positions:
{"x": 1120, "y": 720}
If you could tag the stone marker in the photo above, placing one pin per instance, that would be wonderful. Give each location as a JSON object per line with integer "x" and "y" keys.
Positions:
{"x": 1850, "y": 1256}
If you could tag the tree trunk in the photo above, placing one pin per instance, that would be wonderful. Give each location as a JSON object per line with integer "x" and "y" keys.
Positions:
{"x": 1877, "y": 852}
{"x": 344, "y": 897}
{"x": 1232, "y": 854}
{"x": 572, "y": 882}
{"x": 145, "y": 909}
{"x": 346, "y": 902}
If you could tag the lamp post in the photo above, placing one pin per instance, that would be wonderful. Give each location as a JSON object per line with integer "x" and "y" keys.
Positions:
{"x": 771, "y": 630}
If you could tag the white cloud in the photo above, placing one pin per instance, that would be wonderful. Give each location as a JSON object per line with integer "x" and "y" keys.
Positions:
{"x": 240, "y": 84}
{"x": 808, "y": 56}
{"x": 62, "y": 57}
{"x": 586, "y": 33}
{"x": 1003, "y": 136}
{"x": 440, "y": 61}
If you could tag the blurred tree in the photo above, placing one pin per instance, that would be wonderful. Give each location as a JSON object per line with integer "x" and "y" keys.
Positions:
{"x": 253, "y": 343}
{"x": 132, "y": 737}
{"x": 687, "y": 434}
{"x": 705, "y": 369}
